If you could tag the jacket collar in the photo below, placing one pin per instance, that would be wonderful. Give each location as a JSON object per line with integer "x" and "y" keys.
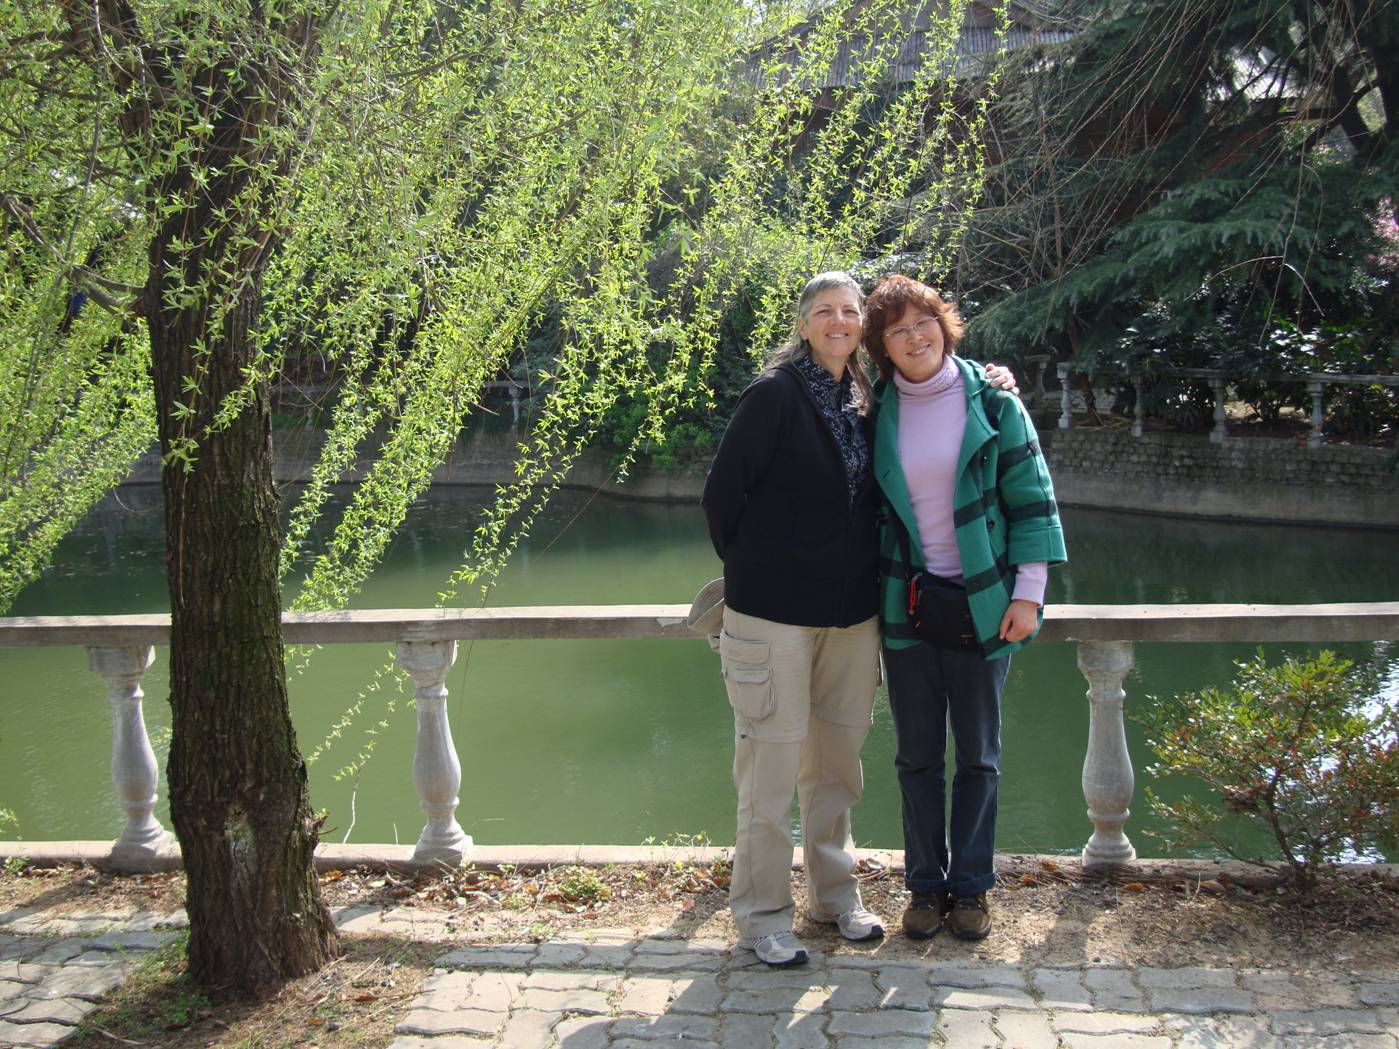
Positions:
{"x": 974, "y": 381}
{"x": 889, "y": 471}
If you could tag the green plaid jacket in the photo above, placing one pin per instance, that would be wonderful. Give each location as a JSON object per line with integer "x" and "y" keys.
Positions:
{"x": 1004, "y": 514}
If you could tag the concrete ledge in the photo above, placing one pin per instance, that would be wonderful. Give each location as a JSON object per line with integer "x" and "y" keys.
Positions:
{"x": 94, "y": 853}
{"x": 400, "y": 858}
{"x": 1356, "y": 621}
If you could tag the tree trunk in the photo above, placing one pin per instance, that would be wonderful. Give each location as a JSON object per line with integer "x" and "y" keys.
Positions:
{"x": 238, "y": 792}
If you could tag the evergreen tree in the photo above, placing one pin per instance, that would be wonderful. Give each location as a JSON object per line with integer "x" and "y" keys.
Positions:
{"x": 1192, "y": 183}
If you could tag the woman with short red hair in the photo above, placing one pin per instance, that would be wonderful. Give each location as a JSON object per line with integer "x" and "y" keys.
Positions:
{"x": 969, "y": 529}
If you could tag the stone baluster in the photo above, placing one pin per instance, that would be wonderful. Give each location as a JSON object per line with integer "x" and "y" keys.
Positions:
{"x": 1219, "y": 432}
{"x": 514, "y": 405}
{"x": 1107, "y": 768}
{"x": 1066, "y": 414}
{"x": 1139, "y": 411}
{"x": 1317, "y": 389}
{"x": 436, "y": 769}
{"x": 134, "y": 771}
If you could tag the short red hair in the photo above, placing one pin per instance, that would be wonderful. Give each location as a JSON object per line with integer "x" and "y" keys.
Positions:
{"x": 887, "y": 303}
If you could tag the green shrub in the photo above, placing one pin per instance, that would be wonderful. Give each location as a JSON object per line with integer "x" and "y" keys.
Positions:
{"x": 1303, "y": 750}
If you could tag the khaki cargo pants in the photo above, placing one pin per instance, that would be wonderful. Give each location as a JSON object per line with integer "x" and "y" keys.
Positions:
{"x": 803, "y": 699}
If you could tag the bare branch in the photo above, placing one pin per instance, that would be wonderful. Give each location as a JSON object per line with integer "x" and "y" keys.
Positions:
{"x": 50, "y": 92}
{"x": 92, "y": 23}
{"x": 92, "y": 283}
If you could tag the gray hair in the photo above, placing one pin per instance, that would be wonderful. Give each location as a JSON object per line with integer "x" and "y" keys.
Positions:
{"x": 796, "y": 346}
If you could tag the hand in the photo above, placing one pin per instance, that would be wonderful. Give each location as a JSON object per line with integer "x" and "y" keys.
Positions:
{"x": 1002, "y": 378}
{"x": 1020, "y": 620}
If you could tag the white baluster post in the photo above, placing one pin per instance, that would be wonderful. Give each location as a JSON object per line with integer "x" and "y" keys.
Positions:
{"x": 436, "y": 769}
{"x": 1317, "y": 389}
{"x": 1066, "y": 415}
{"x": 1107, "y": 767}
{"x": 1139, "y": 410}
{"x": 1220, "y": 430}
{"x": 134, "y": 771}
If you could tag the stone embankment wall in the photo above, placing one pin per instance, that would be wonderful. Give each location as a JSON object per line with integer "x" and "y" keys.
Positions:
{"x": 482, "y": 458}
{"x": 1246, "y": 478}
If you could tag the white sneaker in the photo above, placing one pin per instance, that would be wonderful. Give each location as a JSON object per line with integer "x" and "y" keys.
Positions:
{"x": 779, "y": 950}
{"x": 856, "y": 924}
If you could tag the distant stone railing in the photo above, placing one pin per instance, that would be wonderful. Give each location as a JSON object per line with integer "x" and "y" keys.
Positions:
{"x": 121, "y": 648}
{"x": 1316, "y": 383}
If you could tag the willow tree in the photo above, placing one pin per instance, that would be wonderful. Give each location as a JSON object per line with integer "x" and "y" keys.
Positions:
{"x": 406, "y": 187}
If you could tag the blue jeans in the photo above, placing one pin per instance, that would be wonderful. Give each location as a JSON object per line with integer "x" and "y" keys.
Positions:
{"x": 928, "y": 689}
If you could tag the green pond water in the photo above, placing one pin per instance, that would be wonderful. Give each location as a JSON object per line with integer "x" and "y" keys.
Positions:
{"x": 616, "y": 742}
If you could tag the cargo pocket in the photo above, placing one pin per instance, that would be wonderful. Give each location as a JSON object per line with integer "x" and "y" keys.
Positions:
{"x": 747, "y": 676}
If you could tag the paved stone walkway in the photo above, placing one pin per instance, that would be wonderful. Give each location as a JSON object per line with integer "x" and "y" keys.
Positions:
{"x": 614, "y": 990}
{"x": 54, "y": 970}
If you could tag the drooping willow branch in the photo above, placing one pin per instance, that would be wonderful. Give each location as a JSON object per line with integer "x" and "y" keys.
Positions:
{"x": 442, "y": 184}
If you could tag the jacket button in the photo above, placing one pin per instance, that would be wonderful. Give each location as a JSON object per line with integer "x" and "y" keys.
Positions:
{"x": 990, "y": 526}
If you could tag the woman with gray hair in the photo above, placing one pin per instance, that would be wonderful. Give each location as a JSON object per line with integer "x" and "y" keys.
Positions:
{"x": 791, "y": 505}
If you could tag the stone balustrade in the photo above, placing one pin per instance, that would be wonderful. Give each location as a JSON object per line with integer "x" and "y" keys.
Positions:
{"x": 120, "y": 648}
{"x": 1219, "y": 381}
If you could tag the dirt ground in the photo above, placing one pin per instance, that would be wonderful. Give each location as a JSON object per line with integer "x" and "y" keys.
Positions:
{"x": 1045, "y": 913}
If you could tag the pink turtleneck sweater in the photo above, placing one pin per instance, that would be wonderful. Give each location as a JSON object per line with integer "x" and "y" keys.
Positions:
{"x": 932, "y": 417}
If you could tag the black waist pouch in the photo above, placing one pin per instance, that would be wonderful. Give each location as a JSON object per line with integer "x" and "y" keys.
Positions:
{"x": 939, "y": 613}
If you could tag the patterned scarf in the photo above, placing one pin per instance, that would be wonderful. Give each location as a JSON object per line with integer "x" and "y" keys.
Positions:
{"x": 834, "y": 400}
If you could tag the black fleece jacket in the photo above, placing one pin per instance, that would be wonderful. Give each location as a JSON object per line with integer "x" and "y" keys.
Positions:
{"x": 794, "y": 548}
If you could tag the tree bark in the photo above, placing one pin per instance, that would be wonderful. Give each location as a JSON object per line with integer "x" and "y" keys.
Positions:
{"x": 238, "y": 789}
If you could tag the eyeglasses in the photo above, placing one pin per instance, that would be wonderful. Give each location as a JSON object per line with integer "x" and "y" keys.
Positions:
{"x": 904, "y": 332}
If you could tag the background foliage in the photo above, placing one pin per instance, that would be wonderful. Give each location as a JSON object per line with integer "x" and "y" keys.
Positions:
{"x": 617, "y": 202}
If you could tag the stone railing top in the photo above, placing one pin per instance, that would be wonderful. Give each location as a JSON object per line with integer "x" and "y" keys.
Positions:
{"x": 1344, "y": 378}
{"x": 1375, "y": 621}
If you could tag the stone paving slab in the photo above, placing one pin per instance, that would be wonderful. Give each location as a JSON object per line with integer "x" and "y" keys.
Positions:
{"x": 614, "y": 990}
{"x": 54, "y": 970}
